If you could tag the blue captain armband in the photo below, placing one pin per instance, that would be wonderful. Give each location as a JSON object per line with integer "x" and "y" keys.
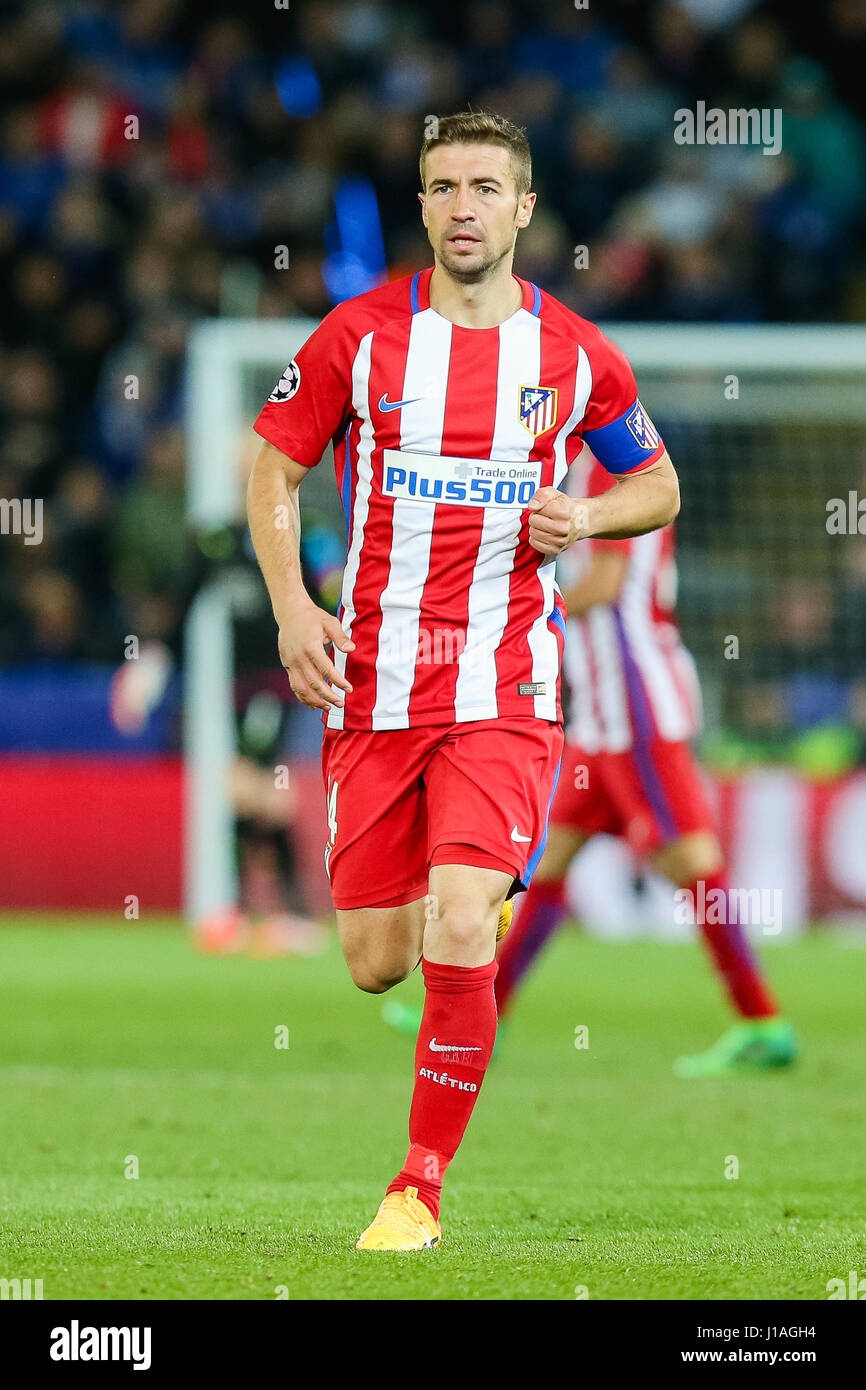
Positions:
{"x": 627, "y": 443}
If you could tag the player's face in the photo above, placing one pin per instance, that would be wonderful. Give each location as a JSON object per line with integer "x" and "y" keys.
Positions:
{"x": 471, "y": 209}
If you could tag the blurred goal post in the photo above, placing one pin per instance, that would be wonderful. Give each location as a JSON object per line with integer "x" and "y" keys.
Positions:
{"x": 764, "y": 423}
{"x": 218, "y": 417}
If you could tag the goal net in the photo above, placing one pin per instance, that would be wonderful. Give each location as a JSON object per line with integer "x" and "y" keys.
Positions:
{"x": 767, "y": 428}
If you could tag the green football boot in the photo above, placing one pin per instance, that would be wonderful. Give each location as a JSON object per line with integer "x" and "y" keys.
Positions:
{"x": 406, "y": 1018}
{"x": 758, "y": 1044}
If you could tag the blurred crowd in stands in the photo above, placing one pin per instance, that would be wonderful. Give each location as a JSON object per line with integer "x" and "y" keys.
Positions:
{"x": 116, "y": 235}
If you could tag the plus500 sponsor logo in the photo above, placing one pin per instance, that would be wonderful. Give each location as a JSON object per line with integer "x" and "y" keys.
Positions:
{"x": 465, "y": 483}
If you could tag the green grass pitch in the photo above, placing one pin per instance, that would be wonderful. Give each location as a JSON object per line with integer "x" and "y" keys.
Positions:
{"x": 257, "y": 1166}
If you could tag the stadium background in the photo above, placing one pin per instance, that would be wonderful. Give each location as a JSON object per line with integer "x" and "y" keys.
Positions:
{"x": 186, "y": 1126}
{"x": 300, "y": 131}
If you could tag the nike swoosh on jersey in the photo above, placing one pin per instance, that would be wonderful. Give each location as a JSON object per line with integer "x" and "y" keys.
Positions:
{"x": 434, "y": 1046}
{"x": 516, "y": 835}
{"x": 386, "y": 405}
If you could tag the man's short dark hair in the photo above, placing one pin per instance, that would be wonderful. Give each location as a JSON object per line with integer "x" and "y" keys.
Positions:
{"x": 483, "y": 128}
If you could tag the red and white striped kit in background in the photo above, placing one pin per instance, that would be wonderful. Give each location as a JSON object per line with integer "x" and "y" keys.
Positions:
{"x": 441, "y": 435}
{"x": 630, "y": 677}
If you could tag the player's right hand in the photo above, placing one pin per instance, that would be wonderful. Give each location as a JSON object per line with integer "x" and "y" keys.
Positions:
{"x": 305, "y": 635}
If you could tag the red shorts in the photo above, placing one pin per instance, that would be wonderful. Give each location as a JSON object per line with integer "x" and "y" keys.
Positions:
{"x": 650, "y": 795}
{"x": 402, "y": 800}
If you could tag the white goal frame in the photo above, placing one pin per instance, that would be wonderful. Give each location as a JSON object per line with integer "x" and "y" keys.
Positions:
{"x": 217, "y": 351}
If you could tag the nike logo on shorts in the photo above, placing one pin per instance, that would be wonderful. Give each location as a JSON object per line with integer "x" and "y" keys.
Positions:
{"x": 516, "y": 835}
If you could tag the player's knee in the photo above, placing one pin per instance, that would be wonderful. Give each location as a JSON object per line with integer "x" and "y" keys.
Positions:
{"x": 370, "y": 982}
{"x": 467, "y": 928}
{"x": 377, "y": 977}
{"x": 693, "y": 857}
{"x": 703, "y": 862}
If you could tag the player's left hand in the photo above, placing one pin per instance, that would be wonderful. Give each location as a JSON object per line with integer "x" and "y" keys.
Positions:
{"x": 556, "y": 521}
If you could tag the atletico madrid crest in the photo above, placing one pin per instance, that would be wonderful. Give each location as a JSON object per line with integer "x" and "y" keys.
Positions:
{"x": 538, "y": 408}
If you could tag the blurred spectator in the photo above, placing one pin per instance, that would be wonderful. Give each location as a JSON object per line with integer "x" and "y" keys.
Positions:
{"x": 154, "y": 155}
{"x": 150, "y": 544}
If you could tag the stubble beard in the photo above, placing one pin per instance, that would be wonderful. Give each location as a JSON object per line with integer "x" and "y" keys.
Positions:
{"x": 471, "y": 275}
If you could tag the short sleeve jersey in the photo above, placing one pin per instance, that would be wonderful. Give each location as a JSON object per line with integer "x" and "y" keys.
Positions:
{"x": 441, "y": 436}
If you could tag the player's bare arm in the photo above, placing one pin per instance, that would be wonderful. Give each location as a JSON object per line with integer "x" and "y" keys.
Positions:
{"x": 601, "y": 584}
{"x": 639, "y": 502}
{"x": 305, "y": 630}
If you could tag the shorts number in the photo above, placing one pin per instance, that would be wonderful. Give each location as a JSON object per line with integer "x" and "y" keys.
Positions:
{"x": 332, "y": 822}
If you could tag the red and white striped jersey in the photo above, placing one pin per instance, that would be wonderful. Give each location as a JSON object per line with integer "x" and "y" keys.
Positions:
{"x": 441, "y": 435}
{"x": 629, "y": 675}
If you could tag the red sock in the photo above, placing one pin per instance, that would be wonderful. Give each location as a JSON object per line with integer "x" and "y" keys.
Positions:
{"x": 732, "y": 954}
{"x": 459, "y": 1009}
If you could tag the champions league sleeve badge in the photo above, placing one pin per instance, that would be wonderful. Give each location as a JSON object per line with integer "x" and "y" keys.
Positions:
{"x": 288, "y": 384}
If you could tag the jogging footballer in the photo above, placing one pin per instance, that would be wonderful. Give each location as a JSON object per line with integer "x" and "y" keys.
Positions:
{"x": 456, "y": 400}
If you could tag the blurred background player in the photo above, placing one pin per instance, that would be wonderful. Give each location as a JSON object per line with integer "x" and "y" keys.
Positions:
{"x": 271, "y": 916}
{"x": 628, "y": 770}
